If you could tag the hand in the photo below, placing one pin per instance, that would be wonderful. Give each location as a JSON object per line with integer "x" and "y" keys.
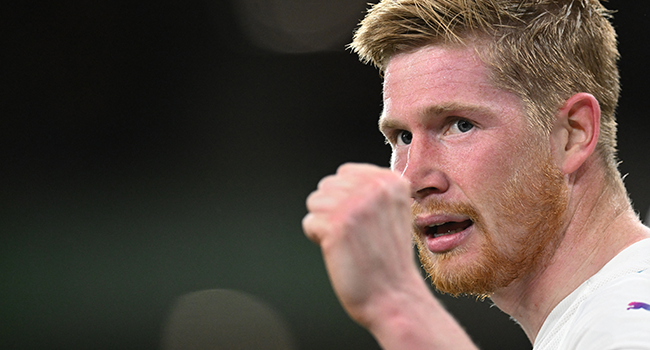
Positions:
{"x": 361, "y": 219}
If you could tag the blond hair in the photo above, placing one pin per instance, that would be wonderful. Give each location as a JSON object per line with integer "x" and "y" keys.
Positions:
{"x": 544, "y": 51}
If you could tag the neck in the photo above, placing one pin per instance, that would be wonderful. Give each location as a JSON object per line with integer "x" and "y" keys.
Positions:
{"x": 601, "y": 223}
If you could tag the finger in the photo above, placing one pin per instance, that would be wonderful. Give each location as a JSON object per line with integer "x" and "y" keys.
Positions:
{"x": 337, "y": 182}
{"x": 312, "y": 226}
{"x": 349, "y": 168}
{"x": 319, "y": 201}
{"x": 333, "y": 195}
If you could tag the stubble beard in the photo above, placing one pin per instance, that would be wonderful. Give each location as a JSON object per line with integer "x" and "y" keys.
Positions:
{"x": 531, "y": 207}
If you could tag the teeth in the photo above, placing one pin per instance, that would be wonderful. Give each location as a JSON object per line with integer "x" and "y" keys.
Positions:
{"x": 449, "y": 232}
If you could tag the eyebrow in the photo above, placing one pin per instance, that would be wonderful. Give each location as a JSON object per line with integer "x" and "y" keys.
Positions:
{"x": 385, "y": 122}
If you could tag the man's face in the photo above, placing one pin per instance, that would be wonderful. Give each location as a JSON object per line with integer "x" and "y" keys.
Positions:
{"x": 488, "y": 199}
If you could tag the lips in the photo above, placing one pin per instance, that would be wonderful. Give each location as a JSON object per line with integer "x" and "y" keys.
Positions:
{"x": 447, "y": 228}
{"x": 443, "y": 233}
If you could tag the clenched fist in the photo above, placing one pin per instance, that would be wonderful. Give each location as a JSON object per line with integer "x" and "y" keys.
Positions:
{"x": 361, "y": 219}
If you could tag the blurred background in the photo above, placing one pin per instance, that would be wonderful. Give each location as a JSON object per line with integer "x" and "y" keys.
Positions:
{"x": 149, "y": 149}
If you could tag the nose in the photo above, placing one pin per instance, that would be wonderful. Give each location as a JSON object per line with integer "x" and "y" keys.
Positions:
{"x": 422, "y": 168}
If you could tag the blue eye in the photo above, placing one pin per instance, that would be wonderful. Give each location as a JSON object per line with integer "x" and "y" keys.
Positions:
{"x": 464, "y": 126}
{"x": 461, "y": 126}
{"x": 405, "y": 137}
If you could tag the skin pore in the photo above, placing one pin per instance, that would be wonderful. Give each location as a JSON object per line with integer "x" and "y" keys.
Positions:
{"x": 471, "y": 157}
{"x": 447, "y": 106}
{"x": 533, "y": 234}
{"x": 481, "y": 188}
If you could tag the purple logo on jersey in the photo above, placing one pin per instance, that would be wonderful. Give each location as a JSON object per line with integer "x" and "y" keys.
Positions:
{"x": 637, "y": 306}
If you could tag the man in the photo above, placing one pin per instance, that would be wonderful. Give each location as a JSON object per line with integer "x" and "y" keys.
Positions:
{"x": 500, "y": 114}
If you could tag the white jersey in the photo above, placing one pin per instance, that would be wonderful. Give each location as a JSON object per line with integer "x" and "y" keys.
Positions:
{"x": 611, "y": 310}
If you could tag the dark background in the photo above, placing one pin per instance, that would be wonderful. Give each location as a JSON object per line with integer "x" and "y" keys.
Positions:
{"x": 150, "y": 149}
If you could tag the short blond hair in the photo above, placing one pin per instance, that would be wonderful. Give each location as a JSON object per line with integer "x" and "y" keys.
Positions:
{"x": 544, "y": 51}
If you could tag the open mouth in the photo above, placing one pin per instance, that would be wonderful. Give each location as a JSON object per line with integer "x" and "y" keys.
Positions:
{"x": 447, "y": 228}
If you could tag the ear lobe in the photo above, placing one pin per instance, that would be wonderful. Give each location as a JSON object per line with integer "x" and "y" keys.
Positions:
{"x": 576, "y": 131}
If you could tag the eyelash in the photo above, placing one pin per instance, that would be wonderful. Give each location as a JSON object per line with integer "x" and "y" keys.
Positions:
{"x": 404, "y": 134}
{"x": 398, "y": 134}
{"x": 460, "y": 120}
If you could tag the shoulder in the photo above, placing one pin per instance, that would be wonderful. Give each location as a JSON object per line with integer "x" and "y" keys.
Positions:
{"x": 608, "y": 311}
{"x": 616, "y": 315}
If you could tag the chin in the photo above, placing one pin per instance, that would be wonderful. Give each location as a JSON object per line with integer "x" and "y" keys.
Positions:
{"x": 469, "y": 270}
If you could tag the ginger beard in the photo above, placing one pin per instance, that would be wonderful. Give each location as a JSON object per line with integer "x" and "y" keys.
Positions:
{"x": 530, "y": 208}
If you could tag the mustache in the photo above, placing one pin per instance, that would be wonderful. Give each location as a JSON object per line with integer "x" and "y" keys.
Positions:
{"x": 435, "y": 206}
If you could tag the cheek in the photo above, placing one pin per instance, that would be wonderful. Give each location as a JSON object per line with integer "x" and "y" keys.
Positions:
{"x": 480, "y": 171}
{"x": 398, "y": 160}
{"x": 495, "y": 171}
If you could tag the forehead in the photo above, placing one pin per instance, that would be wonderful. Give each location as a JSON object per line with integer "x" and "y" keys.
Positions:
{"x": 442, "y": 75}
{"x": 435, "y": 57}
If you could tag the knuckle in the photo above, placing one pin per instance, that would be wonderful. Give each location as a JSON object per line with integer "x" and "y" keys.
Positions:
{"x": 310, "y": 202}
{"x": 346, "y": 167}
{"x": 324, "y": 181}
{"x": 310, "y": 228}
{"x": 388, "y": 182}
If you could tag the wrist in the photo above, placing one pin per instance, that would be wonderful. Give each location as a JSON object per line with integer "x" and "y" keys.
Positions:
{"x": 412, "y": 318}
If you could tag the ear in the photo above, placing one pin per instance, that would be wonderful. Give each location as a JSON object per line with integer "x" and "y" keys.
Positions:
{"x": 575, "y": 133}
